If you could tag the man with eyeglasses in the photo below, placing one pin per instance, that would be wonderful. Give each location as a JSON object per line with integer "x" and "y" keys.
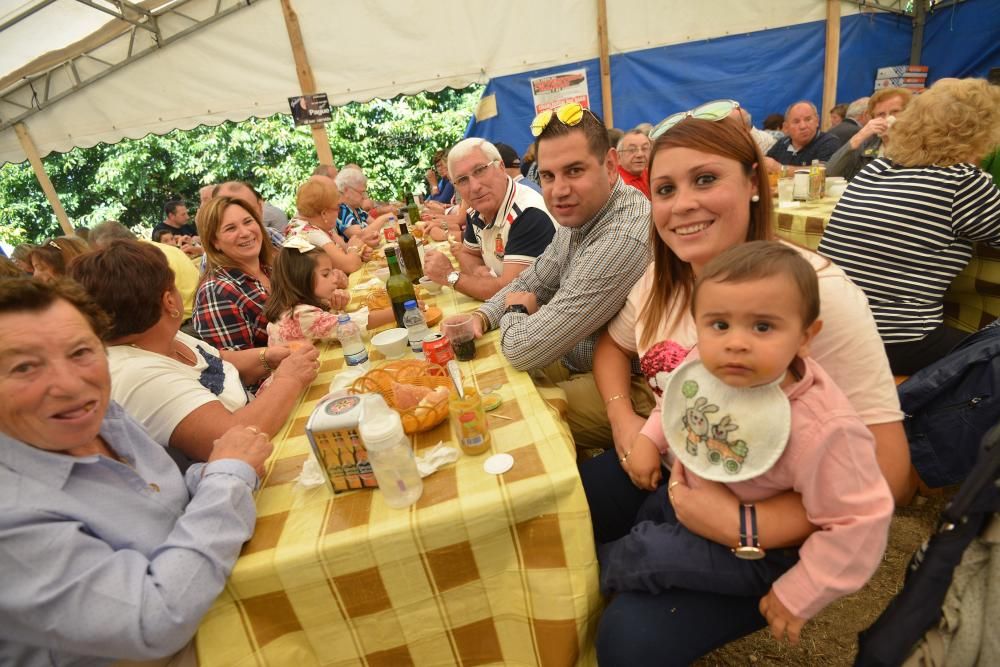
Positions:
{"x": 633, "y": 157}
{"x": 352, "y": 218}
{"x": 551, "y": 314}
{"x": 507, "y": 224}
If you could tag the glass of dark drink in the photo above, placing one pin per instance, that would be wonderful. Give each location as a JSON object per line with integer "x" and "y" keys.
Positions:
{"x": 461, "y": 335}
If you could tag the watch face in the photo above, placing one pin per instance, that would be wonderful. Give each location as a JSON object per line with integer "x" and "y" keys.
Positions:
{"x": 453, "y": 277}
{"x": 749, "y": 553}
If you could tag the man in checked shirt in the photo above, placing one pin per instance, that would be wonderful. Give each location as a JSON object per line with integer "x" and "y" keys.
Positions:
{"x": 551, "y": 314}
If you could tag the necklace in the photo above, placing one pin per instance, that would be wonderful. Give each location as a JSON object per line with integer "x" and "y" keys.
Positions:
{"x": 178, "y": 352}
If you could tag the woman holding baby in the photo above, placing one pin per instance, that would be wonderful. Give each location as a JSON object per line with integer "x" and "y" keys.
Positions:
{"x": 704, "y": 175}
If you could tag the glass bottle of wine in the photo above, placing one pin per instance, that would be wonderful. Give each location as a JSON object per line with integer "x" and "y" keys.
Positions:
{"x": 398, "y": 286}
{"x": 410, "y": 253}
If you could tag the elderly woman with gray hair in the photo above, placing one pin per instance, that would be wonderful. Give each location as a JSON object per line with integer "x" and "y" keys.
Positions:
{"x": 352, "y": 219}
{"x": 109, "y": 552}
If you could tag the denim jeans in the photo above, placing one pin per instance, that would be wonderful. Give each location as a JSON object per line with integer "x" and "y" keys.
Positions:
{"x": 676, "y": 596}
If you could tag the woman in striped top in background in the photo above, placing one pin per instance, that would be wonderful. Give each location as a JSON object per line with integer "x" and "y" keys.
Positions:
{"x": 906, "y": 225}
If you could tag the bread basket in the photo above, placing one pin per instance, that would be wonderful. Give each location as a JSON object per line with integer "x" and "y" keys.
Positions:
{"x": 378, "y": 298}
{"x": 413, "y": 372}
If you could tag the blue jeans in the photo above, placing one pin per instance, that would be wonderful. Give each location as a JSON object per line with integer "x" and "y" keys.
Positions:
{"x": 645, "y": 556}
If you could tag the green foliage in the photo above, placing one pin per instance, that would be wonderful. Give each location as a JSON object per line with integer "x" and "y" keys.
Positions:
{"x": 393, "y": 140}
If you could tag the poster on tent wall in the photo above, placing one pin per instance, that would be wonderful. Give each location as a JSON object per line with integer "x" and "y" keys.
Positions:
{"x": 310, "y": 109}
{"x": 555, "y": 90}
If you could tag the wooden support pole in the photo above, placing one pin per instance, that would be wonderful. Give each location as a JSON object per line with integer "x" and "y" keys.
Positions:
{"x": 831, "y": 61}
{"x": 306, "y": 82}
{"x": 919, "y": 20}
{"x": 602, "y": 39}
{"x": 43, "y": 179}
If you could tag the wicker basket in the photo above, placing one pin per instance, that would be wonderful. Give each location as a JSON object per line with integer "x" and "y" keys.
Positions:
{"x": 407, "y": 371}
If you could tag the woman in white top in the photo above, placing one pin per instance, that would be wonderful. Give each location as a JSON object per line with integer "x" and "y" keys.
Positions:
{"x": 182, "y": 390}
{"x": 704, "y": 175}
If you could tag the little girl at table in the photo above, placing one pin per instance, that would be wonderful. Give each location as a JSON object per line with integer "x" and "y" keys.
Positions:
{"x": 306, "y": 292}
{"x": 748, "y": 408}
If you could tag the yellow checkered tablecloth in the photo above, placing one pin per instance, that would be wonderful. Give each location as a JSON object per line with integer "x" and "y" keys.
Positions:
{"x": 971, "y": 302}
{"x": 483, "y": 569}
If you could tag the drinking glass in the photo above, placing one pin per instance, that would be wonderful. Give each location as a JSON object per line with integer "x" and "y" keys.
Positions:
{"x": 462, "y": 337}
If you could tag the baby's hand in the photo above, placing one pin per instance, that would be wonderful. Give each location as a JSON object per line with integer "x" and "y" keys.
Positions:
{"x": 779, "y": 619}
{"x": 643, "y": 464}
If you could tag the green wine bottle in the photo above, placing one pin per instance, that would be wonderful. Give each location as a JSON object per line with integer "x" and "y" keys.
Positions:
{"x": 412, "y": 211}
{"x": 398, "y": 286}
{"x": 410, "y": 254}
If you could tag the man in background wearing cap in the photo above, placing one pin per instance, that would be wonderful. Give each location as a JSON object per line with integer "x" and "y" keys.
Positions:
{"x": 507, "y": 225}
{"x": 633, "y": 157}
{"x": 512, "y": 165}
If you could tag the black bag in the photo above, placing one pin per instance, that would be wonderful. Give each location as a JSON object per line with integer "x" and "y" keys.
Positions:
{"x": 949, "y": 407}
{"x": 918, "y": 606}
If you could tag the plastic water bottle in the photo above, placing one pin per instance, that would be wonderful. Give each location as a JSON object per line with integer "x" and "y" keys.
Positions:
{"x": 355, "y": 352}
{"x": 390, "y": 453}
{"x": 416, "y": 327}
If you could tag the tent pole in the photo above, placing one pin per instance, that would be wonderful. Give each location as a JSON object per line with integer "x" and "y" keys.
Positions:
{"x": 919, "y": 19}
{"x": 832, "y": 59}
{"x": 43, "y": 179}
{"x": 306, "y": 81}
{"x": 602, "y": 39}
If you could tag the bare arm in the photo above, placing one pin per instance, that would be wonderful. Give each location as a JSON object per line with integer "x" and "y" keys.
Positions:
{"x": 248, "y": 362}
{"x": 347, "y": 260}
{"x": 196, "y": 432}
{"x": 893, "y": 453}
{"x": 613, "y": 375}
{"x": 482, "y": 285}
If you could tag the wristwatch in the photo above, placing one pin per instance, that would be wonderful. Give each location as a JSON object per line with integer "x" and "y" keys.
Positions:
{"x": 453, "y": 278}
{"x": 748, "y": 548}
{"x": 516, "y": 308}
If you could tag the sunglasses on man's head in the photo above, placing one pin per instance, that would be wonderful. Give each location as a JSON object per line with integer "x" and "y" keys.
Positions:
{"x": 569, "y": 115}
{"x": 714, "y": 111}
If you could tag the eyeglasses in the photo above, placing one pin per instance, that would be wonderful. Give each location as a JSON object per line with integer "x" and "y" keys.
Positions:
{"x": 635, "y": 149}
{"x": 714, "y": 111}
{"x": 476, "y": 173}
{"x": 569, "y": 115}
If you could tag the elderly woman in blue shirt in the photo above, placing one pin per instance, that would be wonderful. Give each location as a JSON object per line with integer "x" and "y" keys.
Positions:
{"x": 107, "y": 552}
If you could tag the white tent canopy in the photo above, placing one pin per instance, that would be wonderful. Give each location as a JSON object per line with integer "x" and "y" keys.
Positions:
{"x": 208, "y": 61}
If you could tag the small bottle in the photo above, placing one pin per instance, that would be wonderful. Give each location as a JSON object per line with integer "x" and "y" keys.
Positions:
{"x": 355, "y": 353}
{"x": 390, "y": 453}
{"x": 416, "y": 328}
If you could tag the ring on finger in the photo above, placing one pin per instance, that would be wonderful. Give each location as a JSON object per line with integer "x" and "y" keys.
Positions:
{"x": 673, "y": 484}
{"x": 252, "y": 429}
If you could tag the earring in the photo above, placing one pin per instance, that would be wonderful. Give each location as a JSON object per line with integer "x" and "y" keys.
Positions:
{"x": 176, "y": 314}
{"x": 755, "y": 198}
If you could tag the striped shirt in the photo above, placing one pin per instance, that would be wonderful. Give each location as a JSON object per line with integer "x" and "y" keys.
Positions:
{"x": 581, "y": 281}
{"x": 902, "y": 234}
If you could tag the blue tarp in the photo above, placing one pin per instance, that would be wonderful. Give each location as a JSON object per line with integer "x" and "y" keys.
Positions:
{"x": 765, "y": 70}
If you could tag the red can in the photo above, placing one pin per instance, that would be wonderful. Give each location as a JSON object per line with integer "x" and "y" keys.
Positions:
{"x": 437, "y": 349}
{"x": 390, "y": 234}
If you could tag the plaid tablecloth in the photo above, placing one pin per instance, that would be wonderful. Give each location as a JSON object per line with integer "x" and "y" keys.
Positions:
{"x": 483, "y": 569}
{"x": 971, "y": 302}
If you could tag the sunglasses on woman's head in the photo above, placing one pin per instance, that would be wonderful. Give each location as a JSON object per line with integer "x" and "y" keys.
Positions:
{"x": 569, "y": 115}
{"x": 713, "y": 111}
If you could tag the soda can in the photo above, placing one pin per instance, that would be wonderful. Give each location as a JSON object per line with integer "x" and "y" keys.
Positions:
{"x": 437, "y": 349}
{"x": 390, "y": 234}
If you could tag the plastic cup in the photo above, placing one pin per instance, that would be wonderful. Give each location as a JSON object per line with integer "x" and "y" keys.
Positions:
{"x": 786, "y": 190}
{"x": 462, "y": 336}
